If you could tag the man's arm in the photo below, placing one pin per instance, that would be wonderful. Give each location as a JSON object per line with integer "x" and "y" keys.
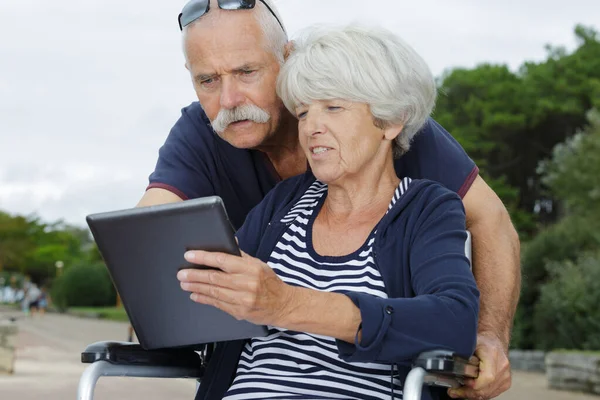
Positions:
{"x": 155, "y": 196}
{"x": 496, "y": 266}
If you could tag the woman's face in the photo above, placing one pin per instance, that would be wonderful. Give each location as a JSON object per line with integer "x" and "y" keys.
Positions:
{"x": 340, "y": 139}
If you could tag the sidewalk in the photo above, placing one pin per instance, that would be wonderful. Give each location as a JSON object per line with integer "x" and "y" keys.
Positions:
{"x": 48, "y": 363}
{"x": 48, "y": 366}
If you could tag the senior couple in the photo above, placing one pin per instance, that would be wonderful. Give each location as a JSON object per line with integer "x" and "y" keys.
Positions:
{"x": 356, "y": 262}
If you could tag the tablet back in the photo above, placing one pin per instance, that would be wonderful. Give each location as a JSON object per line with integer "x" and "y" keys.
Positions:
{"x": 143, "y": 249}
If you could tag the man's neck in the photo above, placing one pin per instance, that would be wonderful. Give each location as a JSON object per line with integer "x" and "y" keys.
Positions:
{"x": 284, "y": 149}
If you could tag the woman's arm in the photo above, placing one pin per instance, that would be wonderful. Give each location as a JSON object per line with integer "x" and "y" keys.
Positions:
{"x": 443, "y": 314}
{"x": 247, "y": 288}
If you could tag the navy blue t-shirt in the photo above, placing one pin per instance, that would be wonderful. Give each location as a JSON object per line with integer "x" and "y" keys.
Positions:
{"x": 195, "y": 162}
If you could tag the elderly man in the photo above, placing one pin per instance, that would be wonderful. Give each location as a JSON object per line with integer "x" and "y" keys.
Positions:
{"x": 234, "y": 50}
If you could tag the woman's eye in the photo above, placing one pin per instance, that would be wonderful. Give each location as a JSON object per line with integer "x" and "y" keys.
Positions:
{"x": 334, "y": 108}
{"x": 301, "y": 115}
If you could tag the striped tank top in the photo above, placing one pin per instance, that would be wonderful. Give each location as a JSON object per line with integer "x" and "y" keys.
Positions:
{"x": 297, "y": 365}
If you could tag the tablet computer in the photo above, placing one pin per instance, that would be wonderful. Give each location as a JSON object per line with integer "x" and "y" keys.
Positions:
{"x": 143, "y": 250}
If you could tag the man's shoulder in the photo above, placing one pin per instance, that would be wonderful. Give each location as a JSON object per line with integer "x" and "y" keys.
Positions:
{"x": 194, "y": 121}
{"x": 434, "y": 154}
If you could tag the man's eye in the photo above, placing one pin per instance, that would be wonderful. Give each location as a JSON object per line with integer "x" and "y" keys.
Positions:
{"x": 248, "y": 72}
{"x": 208, "y": 83}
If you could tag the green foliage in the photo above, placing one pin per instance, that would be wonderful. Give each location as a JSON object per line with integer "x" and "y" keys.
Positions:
{"x": 31, "y": 247}
{"x": 15, "y": 241}
{"x": 567, "y": 314}
{"x": 110, "y": 313}
{"x": 509, "y": 121}
{"x": 562, "y": 242}
{"x": 572, "y": 174}
{"x": 86, "y": 285}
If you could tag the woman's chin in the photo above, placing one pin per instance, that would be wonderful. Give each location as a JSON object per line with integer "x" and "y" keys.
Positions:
{"x": 326, "y": 176}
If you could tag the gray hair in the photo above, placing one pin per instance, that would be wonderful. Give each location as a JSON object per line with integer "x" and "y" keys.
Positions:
{"x": 364, "y": 65}
{"x": 275, "y": 37}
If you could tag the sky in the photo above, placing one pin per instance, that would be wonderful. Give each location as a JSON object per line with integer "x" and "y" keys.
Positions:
{"x": 90, "y": 88}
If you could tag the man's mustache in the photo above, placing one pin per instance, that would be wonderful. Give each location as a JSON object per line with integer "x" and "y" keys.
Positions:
{"x": 244, "y": 112}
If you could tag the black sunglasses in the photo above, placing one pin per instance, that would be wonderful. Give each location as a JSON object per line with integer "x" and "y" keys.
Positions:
{"x": 194, "y": 9}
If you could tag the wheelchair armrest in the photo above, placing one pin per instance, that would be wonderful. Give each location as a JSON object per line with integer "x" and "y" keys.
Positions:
{"x": 437, "y": 368}
{"x": 130, "y": 359}
{"x": 132, "y": 354}
{"x": 447, "y": 363}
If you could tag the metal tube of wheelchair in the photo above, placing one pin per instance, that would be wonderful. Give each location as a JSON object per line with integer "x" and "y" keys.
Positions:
{"x": 87, "y": 382}
{"x": 414, "y": 384}
{"x": 90, "y": 376}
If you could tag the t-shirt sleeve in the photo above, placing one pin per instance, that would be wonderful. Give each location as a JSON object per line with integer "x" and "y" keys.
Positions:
{"x": 435, "y": 155}
{"x": 183, "y": 165}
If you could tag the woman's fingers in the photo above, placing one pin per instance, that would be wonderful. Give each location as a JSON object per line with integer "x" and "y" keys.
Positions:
{"x": 222, "y": 261}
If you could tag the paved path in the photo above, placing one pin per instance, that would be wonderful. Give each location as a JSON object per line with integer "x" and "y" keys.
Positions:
{"x": 48, "y": 366}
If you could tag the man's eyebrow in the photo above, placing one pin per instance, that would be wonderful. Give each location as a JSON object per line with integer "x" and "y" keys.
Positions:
{"x": 246, "y": 67}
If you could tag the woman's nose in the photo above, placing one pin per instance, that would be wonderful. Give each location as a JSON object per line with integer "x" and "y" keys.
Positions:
{"x": 313, "y": 124}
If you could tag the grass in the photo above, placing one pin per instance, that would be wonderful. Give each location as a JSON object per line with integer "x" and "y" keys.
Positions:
{"x": 110, "y": 313}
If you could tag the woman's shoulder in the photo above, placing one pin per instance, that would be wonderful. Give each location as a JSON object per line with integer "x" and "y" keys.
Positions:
{"x": 422, "y": 196}
{"x": 427, "y": 187}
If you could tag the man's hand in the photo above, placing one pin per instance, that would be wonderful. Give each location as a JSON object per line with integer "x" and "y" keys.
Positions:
{"x": 244, "y": 287}
{"x": 494, "y": 371}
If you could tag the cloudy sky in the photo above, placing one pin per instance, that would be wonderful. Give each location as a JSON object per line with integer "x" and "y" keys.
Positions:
{"x": 90, "y": 88}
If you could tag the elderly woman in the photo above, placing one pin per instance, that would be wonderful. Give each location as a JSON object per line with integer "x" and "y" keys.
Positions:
{"x": 354, "y": 269}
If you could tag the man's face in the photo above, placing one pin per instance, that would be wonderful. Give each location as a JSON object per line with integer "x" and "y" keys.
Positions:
{"x": 231, "y": 68}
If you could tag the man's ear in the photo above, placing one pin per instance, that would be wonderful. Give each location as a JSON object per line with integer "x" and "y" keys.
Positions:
{"x": 186, "y": 66}
{"x": 288, "y": 49}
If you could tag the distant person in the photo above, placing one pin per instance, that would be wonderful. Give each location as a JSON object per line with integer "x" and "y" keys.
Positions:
{"x": 24, "y": 298}
{"x": 43, "y": 300}
{"x": 33, "y": 297}
{"x": 9, "y": 295}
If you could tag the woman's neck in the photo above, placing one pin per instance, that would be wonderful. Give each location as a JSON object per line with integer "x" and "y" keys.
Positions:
{"x": 364, "y": 196}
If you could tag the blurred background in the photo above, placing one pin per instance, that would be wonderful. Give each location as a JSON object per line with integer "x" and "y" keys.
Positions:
{"x": 89, "y": 90}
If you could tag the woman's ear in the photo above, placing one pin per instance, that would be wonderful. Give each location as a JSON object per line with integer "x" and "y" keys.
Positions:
{"x": 392, "y": 131}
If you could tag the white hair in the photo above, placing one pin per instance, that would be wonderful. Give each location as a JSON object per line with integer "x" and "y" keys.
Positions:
{"x": 364, "y": 65}
{"x": 275, "y": 35}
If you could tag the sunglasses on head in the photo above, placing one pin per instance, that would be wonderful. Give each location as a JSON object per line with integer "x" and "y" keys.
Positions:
{"x": 197, "y": 8}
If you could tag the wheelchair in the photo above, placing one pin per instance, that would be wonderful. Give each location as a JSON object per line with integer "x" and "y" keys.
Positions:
{"x": 437, "y": 368}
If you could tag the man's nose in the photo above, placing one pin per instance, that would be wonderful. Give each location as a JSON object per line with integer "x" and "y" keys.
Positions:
{"x": 231, "y": 96}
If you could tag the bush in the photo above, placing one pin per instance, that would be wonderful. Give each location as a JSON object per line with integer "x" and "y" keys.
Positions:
{"x": 564, "y": 241}
{"x": 86, "y": 285}
{"x": 567, "y": 314}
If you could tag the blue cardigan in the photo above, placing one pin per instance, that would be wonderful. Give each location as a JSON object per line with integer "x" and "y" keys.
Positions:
{"x": 420, "y": 252}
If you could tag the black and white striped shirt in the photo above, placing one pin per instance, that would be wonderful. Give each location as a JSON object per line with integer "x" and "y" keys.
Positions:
{"x": 297, "y": 365}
